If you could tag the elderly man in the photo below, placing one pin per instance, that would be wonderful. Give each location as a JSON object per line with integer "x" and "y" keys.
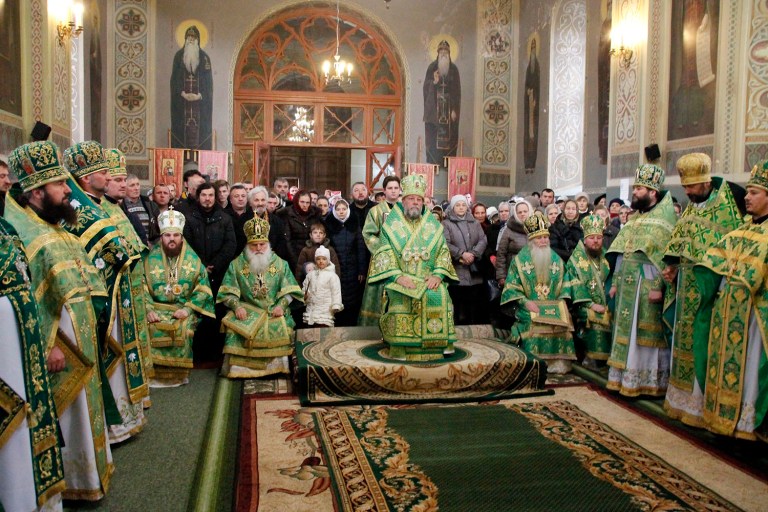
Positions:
{"x": 278, "y": 239}
{"x": 536, "y": 284}
{"x": 587, "y": 270}
{"x": 730, "y": 335}
{"x": 178, "y": 295}
{"x": 412, "y": 261}
{"x": 71, "y": 297}
{"x": 28, "y": 480}
{"x": 124, "y": 362}
{"x": 257, "y": 289}
{"x": 716, "y": 208}
{"x": 370, "y": 311}
{"x": 442, "y": 106}
{"x": 639, "y": 361}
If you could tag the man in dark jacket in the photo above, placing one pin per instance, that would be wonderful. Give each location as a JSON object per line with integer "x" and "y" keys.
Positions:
{"x": 138, "y": 205}
{"x": 192, "y": 180}
{"x": 240, "y": 212}
{"x": 210, "y": 233}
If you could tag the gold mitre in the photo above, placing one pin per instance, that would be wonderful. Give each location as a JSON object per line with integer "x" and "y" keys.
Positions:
{"x": 592, "y": 225}
{"x": 257, "y": 230}
{"x": 536, "y": 225}
{"x": 759, "y": 176}
{"x": 36, "y": 164}
{"x": 85, "y": 158}
{"x": 694, "y": 168}
{"x": 414, "y": 185}
{"x": 649, "y": 176}
{"x": 115, "y": 162}
{"x": 171, "y": 221}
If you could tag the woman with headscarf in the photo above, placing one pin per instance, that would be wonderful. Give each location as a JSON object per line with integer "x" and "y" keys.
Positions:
{"x": 566, "y": 233}
{"x": 466, "y": 243}
{"x": 512, "y": 240}
{"x": 346, "y": 240}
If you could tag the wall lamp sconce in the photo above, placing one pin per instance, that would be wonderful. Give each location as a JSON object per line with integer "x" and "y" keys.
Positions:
{"x": 69, "y": 19}
{"x": 624, "y": 55}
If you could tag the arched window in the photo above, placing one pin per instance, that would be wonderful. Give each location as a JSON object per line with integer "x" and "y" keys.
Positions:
{"x": 282, "y": 98}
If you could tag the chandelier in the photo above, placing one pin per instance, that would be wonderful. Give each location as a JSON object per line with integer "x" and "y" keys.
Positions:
{"x": 303, "y": 128}
{"x": 342, "y": 71}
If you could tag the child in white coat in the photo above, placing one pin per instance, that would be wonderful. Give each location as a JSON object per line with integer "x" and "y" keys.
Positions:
{"x": 322, "y": 291}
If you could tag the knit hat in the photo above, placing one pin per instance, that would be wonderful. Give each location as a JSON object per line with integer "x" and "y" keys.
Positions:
{"x": 581, "y": 195}
{"x": 694, "y": 168}
{"x": 491, "y": 211}
{"x": 36, "y": 164}
{"x": 458, "y": 198}
{"x": 649, "y": 176}
{"x": 85, "y": 158}
{"x": 536, "y": 225}
{"x": 759, "y": 176}
{"x": 322, "y": 251}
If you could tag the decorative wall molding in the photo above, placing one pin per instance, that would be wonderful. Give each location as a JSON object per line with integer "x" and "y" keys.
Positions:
{"x": 37, "y": 59}
{"x": 61, "y": 74}
{"x": 757, "y": 70}
{"x": 655, "y": 31}
{"x": 626, "y": 99}
{"x": 729, "y": 108}
{"x": 567, "y": 95}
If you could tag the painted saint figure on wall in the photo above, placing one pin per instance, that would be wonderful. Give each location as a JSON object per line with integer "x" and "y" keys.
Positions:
{"x": 442, "y": 106}
{"x": 191, "y": 94}
{"x": 693, "y": 67}
{"x": 531, "y": 105}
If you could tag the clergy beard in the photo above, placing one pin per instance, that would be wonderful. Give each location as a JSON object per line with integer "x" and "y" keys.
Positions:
{"x": 443, "y": 64}
{"x": 191, "y": 56}
{"x": 641, "y": 204}
{"x": 413, "y": 213}
{"x": 172, "y": 253}
{"x": 594, "y": 253}
{"x": 542, "y": 259}
{"x": 258, "y": 262}
{"x": 54, "y": 213}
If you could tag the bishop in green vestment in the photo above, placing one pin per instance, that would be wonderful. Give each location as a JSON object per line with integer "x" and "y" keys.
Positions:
{"x": 587, "y": 271}
{"x": 715, "y": 209}
{"x": 731, "y": 329}
{"x": 370, "y": 310}
{"x": 639, "y": 362}
{"x": 71, "y": 295}
{"x": 412, "y": 261}
{"x": 536, "y": 284}
{"x": 257, "y": 289}
{"x": 178, "y": 294}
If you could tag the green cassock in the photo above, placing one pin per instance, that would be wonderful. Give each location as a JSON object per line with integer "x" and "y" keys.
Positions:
{"x": 731, "y": 323}
{"x": 39, "y": 407}
{"x": 699, "y": 228}
{"x": 172, "y": 284}
{"x": 260, "y": 338}
{"x": 370, "y": 310}
{"x": 548, "y": 334}
{"x": 63, "y": 276}
{"x": 418, "y": 323}
{"x": 588, "y": 278}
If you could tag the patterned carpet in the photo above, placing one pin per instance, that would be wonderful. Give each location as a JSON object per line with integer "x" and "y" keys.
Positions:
{"x": 540, "y": 444}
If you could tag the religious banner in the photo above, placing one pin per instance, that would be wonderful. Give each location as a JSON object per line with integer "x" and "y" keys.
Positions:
{"x": 213, "y": 164}
{"x": 169, "y": 166}
{"x": 426, "y": 170}
{"x": 461, "y": 175}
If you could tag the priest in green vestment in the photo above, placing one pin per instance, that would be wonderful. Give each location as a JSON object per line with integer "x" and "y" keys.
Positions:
{"x": 88, "y": 164}
{"x": 31, "y": 466}
{"x": 715, "y": 209}
{"x": 257, "y": 289}
{"x": 639, "y": 362}
{"x": 588, "y": 271}
{"x": 412, "y": 261}
{"x": 71, "y": 296}
{"x": 178, "y": 294}
{"x": 536, "y": 284}
{"x": 731, "y": 329}
{"x": 370, "y": 310}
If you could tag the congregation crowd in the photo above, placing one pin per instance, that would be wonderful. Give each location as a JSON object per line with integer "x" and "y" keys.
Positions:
{"x": 111, "y": 292}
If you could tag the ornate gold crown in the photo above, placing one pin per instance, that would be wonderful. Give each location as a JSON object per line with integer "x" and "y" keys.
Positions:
{"x": 694, "y": 168}
{"x": 115, "y": 162}
{"x": 592, "y": 225}
{"x": 759, "y": 176}
{"x": 649, "y": 176}
{"x": 171, "y": 221}
{"x": 414, "y": 184}
{"x": 36, "y": 164}
{"x": 536, "y": 225}
{"x": 257, "y": 230}
{"x": 85, "y": 158}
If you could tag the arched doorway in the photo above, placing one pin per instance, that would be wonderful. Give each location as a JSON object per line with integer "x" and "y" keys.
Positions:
{"x": 284, "y": 108}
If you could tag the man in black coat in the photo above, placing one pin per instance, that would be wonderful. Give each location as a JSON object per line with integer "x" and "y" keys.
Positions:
{"x": 240, "y": 212}
{"x": 209, "y": 231}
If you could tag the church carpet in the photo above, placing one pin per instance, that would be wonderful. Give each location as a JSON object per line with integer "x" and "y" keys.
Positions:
{"x": 349, "y": 365}
{"x": 575, "y": 450}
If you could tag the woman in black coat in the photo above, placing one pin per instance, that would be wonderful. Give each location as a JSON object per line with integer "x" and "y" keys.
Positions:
{"x": 566, "y": 232}
{"x": 346, "y": 240}
{"x": 298, "y": 218}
